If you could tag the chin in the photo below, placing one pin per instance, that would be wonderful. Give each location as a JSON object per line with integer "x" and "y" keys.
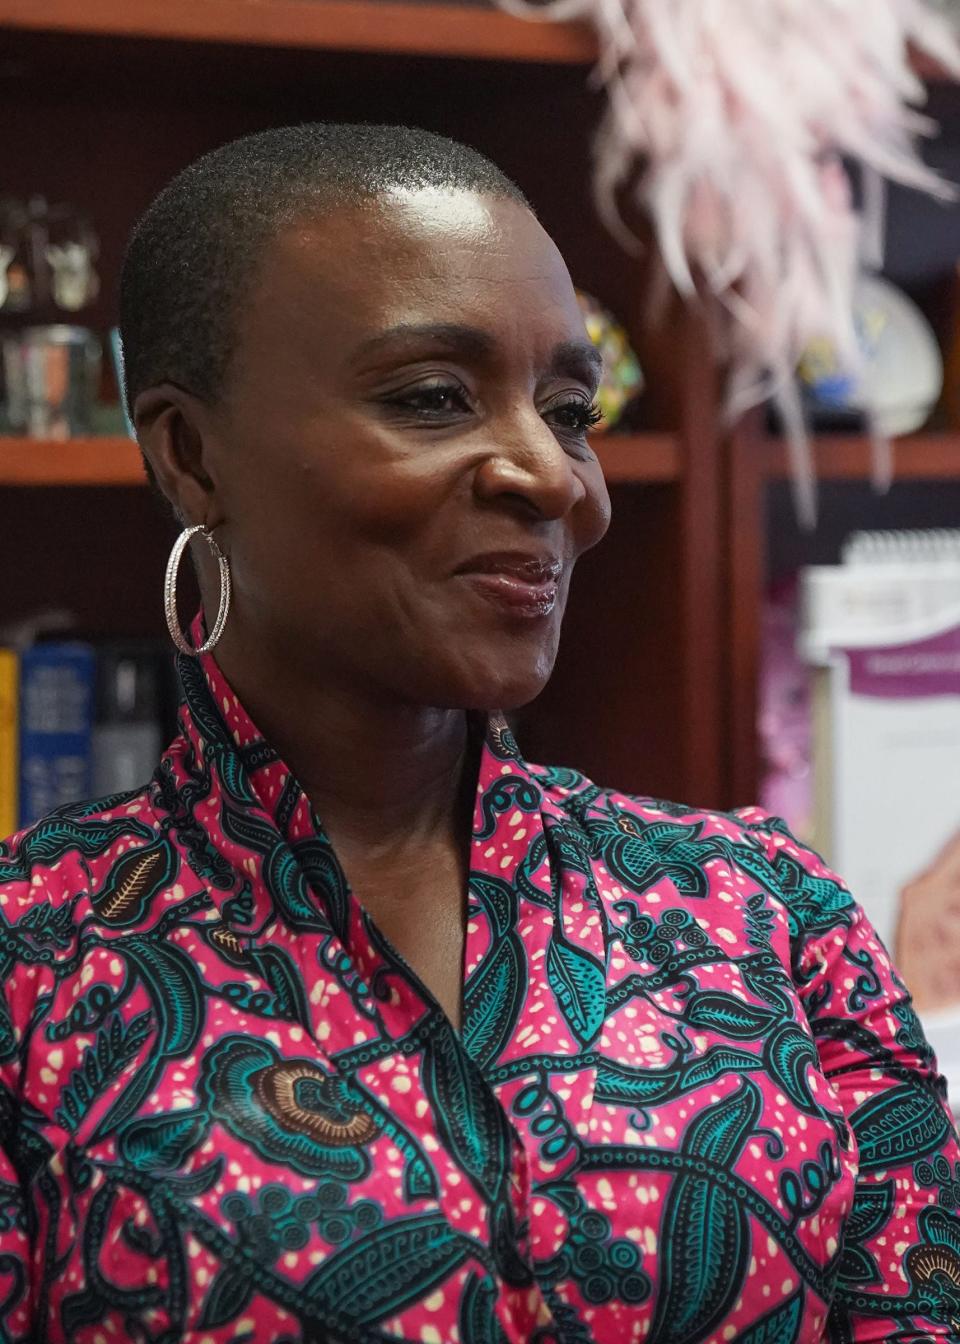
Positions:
{"x": 506, "y": 686}
{"x": 507, "y": 701}
{"x": 478, "y": 669}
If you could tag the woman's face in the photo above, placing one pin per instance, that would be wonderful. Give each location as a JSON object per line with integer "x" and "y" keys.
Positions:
{"x": 400, "y": 453}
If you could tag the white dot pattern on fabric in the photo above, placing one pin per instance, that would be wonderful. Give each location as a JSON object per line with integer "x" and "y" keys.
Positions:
{"x": 684, "y": 1060}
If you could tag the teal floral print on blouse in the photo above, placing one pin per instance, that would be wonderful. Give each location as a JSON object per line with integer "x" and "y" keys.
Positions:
{"x": 689, "y": 1101}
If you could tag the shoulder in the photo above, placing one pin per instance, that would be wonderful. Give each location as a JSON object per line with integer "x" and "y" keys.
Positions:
{"x": 658, "y": 821}
{"x": 57, "y": 877}
{"x": 71, "y": 860}
{"x": 699, "y": 851}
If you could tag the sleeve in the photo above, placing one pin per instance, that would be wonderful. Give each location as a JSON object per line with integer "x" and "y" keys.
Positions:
{"x": 29, "y": 1197}
{"x": 15, "y": 1314}
{"x": 898, "y": 1270}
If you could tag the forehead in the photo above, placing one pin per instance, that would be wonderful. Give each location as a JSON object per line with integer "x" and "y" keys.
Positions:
{"x": 413, "y": 257}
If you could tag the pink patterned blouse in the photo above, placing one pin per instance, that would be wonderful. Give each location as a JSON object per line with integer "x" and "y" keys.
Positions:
{"x": 689, "y": 1102}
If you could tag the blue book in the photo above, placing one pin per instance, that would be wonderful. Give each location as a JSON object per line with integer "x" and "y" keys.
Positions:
{"x": 56, "y": 721}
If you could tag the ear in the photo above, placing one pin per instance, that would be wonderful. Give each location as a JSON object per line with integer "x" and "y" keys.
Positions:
{"x": 174, "y": 430}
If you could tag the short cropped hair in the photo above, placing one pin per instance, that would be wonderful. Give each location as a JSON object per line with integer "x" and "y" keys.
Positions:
{"x": 193, "y": 257}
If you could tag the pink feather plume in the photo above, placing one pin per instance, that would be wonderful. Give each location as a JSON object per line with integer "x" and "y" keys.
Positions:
{"x": 742, "y": 116}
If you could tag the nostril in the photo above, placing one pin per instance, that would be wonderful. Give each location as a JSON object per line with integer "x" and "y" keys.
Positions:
{"x": 534, "y": 472}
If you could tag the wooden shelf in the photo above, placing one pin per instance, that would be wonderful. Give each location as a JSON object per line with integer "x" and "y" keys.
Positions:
{"x": 398, "y": 26}
{"x": 846, "y": 457}
{"x": 116, "y": 461}
{"x": 339, "y": 25}
{"x": 94, "y": 461}
{"x": 640, "y": 458}
{"x": 644, "y": 458}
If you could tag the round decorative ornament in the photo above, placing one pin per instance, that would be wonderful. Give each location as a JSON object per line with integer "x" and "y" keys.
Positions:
{"x": 622, "y": 376}
{"x": 902, "y": 377}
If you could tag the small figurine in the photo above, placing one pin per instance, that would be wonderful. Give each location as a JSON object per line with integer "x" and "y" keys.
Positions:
{"x": 75, "y": 282}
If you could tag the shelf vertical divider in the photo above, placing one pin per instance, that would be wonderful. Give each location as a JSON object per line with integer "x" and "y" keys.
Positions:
{"x": 700, "y": 627}
{"x": 745, "y": 567}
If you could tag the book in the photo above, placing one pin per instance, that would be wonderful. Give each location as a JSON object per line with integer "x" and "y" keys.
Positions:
{"x": 9, "y": 744}
{"x": 892, "y": 772}
{"x": 883, "y": 633}
{"x": 56, "y": 720}
{"x": 127, "y": 731}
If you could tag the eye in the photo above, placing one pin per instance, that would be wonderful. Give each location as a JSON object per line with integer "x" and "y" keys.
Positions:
{"x": 432, "y": 401}
{"x": 575, "y": 415}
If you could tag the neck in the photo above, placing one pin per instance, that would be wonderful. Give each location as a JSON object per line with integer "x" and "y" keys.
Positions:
{"x": 384, "y": 776}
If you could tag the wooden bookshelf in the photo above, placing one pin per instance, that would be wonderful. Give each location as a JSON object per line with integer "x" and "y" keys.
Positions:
{"x": 108, "y": 460}
{"x": 336, "y": 25}
{"x": 847, "y": 457}
{"x": 672, "y": 597}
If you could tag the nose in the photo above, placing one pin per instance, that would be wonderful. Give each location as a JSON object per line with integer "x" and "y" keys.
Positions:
{"x": 530, "y": 468}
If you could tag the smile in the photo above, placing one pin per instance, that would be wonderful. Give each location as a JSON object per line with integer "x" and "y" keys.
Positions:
{"x": 521, "y": 585}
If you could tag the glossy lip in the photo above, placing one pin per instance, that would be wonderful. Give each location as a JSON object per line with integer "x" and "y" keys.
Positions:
{"x": 519, "y": 583}
{"x": 522, "y": 565}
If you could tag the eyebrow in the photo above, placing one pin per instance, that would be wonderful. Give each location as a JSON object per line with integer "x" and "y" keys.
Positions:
{"x": 575, "y": 359}
{"x": 455, "y": 337}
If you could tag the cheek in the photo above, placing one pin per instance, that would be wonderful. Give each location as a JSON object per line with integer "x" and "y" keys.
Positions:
{"x": 322, "y": 516}
{"x": 349, "y": 563}
{"x": 369, "y": 493}
{"x": 593, "y": 513}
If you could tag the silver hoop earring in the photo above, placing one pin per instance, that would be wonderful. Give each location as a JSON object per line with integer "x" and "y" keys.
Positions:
{"x": 170, "y": 591}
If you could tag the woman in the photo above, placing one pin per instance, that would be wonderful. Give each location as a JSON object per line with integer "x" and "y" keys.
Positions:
{"x": 489, "y": 1053}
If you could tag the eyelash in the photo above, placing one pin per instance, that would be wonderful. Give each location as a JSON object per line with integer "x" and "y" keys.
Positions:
{"x": 416, "y": 400}
{"x": 585, "y": 415}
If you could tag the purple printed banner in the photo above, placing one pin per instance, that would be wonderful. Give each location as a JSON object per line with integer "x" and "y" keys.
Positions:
{"x": 924, "y": 667}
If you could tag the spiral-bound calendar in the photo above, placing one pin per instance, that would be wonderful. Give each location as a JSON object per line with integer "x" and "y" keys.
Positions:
{"x": 883, "y": 631}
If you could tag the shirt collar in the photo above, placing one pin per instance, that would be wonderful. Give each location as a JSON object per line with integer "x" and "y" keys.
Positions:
{"x": 221, "y": 736}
